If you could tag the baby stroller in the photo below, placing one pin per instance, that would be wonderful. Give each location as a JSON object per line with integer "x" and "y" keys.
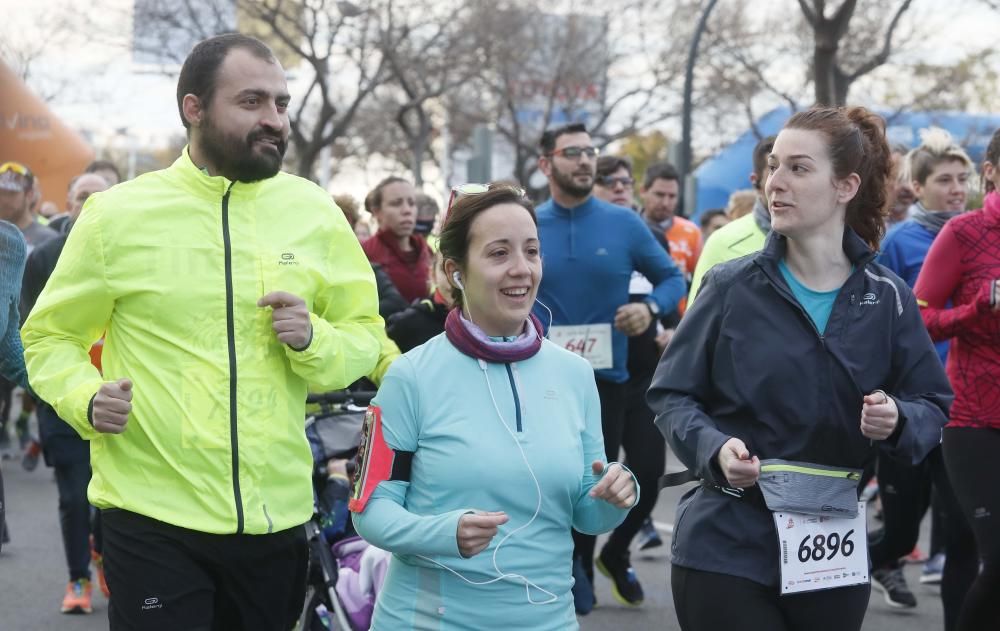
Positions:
{"x": 344, "y": 571}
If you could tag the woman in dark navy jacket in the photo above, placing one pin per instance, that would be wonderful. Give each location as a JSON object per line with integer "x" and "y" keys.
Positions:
{"x": 807, "y": 352}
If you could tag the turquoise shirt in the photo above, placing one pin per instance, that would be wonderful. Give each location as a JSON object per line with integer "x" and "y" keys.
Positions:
{"x": 435, "y": 402}
{"x": 818, "y": 304}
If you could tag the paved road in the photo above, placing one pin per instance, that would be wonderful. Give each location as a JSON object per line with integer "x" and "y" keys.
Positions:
{"x": 32, "y": 574}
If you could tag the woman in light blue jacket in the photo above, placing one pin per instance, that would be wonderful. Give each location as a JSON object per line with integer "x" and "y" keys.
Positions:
{"x": 483, "y": 448}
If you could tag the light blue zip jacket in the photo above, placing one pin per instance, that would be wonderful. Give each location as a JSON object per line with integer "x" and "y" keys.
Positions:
{"x": 435, "y": 402}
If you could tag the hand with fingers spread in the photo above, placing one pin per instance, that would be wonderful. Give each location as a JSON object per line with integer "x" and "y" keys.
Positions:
{"x": 617, "y": 486}
{"x": 879, "y": 416}
{"x": 290, "y": 318}
{"x": 112, "y": 405}
{"x": 633, "y": 319}
{"x": 739, "y": 468}
{"x": 476, "y": 531}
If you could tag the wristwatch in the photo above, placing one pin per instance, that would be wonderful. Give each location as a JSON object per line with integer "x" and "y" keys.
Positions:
{"x": 654, "y": 309}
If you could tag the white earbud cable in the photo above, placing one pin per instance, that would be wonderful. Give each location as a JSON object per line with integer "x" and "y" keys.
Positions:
{"x": 501, "y": 575}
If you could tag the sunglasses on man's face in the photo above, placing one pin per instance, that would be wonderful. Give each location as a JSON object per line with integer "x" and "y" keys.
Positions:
{"x": 574, "y": 152}
{"x": 608, "y": 181}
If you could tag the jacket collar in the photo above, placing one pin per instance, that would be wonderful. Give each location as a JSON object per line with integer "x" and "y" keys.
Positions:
{"x": 202, "y": 184}
{"x": 576, "y": 211}
{"x": 857, "y": 251}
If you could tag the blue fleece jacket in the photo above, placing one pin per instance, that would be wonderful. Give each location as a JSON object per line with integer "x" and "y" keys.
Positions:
{"x": 451, "y": 411}
{"x": 588, "y": 255}
{"x": 903, "y": 251}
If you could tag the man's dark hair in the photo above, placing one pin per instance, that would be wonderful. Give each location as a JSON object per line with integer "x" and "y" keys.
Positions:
{"x": 548, "y": 142}
{"x": 709, "y": 215}
{"x": 201, "y": 67}
{"x": 606, "y": 165}
{"x": 102, "y": 165}
{"x": 660, "y": 171}
{"x": 760, "y": 153}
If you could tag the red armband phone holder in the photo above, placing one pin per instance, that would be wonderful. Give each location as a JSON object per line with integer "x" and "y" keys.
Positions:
{"x": 376, "y": 462}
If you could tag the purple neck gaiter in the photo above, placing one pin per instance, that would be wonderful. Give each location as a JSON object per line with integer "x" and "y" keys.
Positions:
{"x": 473, "y": 341}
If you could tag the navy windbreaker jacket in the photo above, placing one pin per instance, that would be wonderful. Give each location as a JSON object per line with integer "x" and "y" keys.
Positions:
{"x": 748, "y": 362}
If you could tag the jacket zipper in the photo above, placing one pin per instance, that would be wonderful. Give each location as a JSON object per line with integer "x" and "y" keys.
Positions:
{"x": 517, "y": 399}
{"x": 231, "y": 338}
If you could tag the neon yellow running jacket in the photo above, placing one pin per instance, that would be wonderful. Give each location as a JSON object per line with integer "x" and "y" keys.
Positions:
{"x": 171, "y": 266}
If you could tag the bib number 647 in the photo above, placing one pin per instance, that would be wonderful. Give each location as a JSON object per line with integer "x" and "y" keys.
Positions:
{"x": 820, "y": 547}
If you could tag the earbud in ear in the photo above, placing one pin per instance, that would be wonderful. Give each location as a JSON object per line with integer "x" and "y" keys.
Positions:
{"x": 458, "y": 280}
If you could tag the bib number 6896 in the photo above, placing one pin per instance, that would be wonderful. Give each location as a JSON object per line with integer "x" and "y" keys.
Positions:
{"x": 819, "y": 547}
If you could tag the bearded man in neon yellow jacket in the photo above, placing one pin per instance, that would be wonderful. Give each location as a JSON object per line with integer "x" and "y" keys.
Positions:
{"x": 226, "y": 289}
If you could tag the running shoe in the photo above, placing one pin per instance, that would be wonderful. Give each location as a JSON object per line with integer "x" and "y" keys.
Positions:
{"x": 98, "y": 562}
{"x": 648, "y": 535}
{"x": 77, "y": 599}
{"x": 892, "y": 584}
{"x": 583, "y": 589}
{"x": 624, "y": 584}
{"x": 915, "y": 556}
{"x": 29, "y": 461}
{"x": 933, "y": 570}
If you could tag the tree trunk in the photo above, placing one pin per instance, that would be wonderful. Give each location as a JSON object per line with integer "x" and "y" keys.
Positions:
{"x": 307, "y": 160}
{"x": 825, "y": 69}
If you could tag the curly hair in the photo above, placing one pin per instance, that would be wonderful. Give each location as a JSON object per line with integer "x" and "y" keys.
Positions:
{"x": 857, "y": 144}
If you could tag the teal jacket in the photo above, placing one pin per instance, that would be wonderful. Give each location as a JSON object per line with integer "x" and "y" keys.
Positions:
{"x": 13, "y": 252}
{"x": 435, "y": 402}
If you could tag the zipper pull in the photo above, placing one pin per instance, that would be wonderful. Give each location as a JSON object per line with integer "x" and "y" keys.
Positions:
{"x": 852, "y": 299}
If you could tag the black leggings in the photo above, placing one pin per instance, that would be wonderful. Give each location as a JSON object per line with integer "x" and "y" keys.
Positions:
{"x": 707, "y": 601}
{"x": 905, "y": 491}
{"x": 970, "y": 455}
{"x": 961, "y": 564}
{"x": 614, "y": 398}
{"x": 646, "y": 456}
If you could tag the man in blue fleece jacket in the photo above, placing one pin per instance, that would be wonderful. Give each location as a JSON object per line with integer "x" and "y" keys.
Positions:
{"x": 589, "y": 250}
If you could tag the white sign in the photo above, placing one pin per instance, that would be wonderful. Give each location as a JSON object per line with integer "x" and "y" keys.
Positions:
{"x": 821, "y": 552}
{"x": 590, "y": 341}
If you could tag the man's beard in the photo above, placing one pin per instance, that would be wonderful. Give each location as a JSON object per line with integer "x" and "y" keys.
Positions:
{"x": 569, "y": 186}
{"x": 235, "y": 157}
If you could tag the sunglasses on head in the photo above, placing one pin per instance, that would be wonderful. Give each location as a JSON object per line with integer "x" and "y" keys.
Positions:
{"x": 472, "y": 188}
{"x": 16, "y": 167}
{"x": 574, "y": 153}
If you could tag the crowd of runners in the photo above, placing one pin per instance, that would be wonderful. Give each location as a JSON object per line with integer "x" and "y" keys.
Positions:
{"x": 826, "y": 345}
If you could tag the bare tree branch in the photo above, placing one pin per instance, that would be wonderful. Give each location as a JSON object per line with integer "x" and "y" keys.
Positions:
{"x": 883, "y": 55}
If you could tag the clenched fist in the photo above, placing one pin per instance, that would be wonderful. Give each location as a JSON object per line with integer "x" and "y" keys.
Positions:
{"x": 879, "y": 416}
{"x": 476, "y": 531}
{"x": 289, "y": 318}
{"x": 112, "y": 405}
{"x": 616, "y": 487}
